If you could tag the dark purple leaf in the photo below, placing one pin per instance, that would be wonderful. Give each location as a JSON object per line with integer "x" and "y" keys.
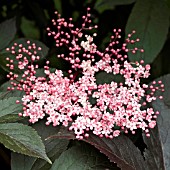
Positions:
{"x": 119, "y": 150}
{"x": 158, "y": 153}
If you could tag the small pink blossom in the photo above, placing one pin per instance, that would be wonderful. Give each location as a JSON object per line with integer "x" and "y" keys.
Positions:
{"x": 152, "y": 124}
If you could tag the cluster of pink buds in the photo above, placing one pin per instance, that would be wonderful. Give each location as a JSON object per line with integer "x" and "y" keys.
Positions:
{"x": 119, "y": 107}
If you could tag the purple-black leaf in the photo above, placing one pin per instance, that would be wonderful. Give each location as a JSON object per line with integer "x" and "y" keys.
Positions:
{"x": 158, "y": 153}
{"x": 119, "y": 150}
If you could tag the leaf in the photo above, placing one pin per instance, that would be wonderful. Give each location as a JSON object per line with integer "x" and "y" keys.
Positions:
{"x": 2, "y": 76}
{"x": 7, "y": 94}
{"x": 7, "y": 32}
{"x": 58, "y": 63}
{"x": 3, "y": 95}
{"x": 150, "y": 20}
{"x": 23, "y": 41}
{"x": 168, "y": 3}
{"x": 103, "y": 77}
{"x": 3, "y": 61}
{"x": 105, "y": 41}
{"x": 119, "y": 150}
{"x": 9, "y": 110}
{"x": 158, "y": 152}
{"x": 102, "y": 5}
{"x": 58, "y": 6}
{"x": 17, "y": 93}
{"x": 54, "y": 148}
{"x": 22, "y": 139}
{"x": 21, "y": 162}
{"x": 153, "y": 154}
{"x": 38, "y": 12}
{"x": 4, "y": 54}
{"x": 29, "y": 28}
{"x": 83, "y": 158}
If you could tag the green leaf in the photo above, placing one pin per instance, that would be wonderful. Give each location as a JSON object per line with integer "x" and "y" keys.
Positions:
{"x": 105, "y": 41}
{"x": 21, "y": 162}
{"x": 37, "y": 11}
{"x": 9, "y": 110}
{"x": 54, "y": 148}
{"x": 7, "y": 94}
{"x": 2, "y": 76}
{"x": 119, "y": 150}
{"x": 17, "y": 93}
{"x": 102, "y": 5}
{"x": 58, "y": 63}
{"x": 158, "y": 152}
{"x": 150, "y": 20}
{"x": 103, "y": 77}
{"x": 4, "y": 54}
{"x": 83, "y": 158}
{"x": 29, "y": 28}
{"x": 7, "y": 32}
{"x": 43, "y": 53}
{"x": 3, "y": 95}
{"x": 58, "y": 6}
{"x": 168, "y": 3}
{"x": 22, "y": 139}
{"x": 3, "y": 62}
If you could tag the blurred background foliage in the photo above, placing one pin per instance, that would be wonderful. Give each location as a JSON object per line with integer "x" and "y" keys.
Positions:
{"x": 150, "y": 19}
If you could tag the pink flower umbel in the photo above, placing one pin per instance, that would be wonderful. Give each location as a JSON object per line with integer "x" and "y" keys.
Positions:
{"x": 118, "y": 107}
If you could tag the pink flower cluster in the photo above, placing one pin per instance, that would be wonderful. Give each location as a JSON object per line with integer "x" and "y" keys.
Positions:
{"x": 66, "y": 100}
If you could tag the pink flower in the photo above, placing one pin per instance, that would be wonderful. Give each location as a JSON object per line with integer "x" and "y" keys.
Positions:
{"x": 68, "y": 100}
{"x": 116, "y": 133}
{"x": 152, "y": 124}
